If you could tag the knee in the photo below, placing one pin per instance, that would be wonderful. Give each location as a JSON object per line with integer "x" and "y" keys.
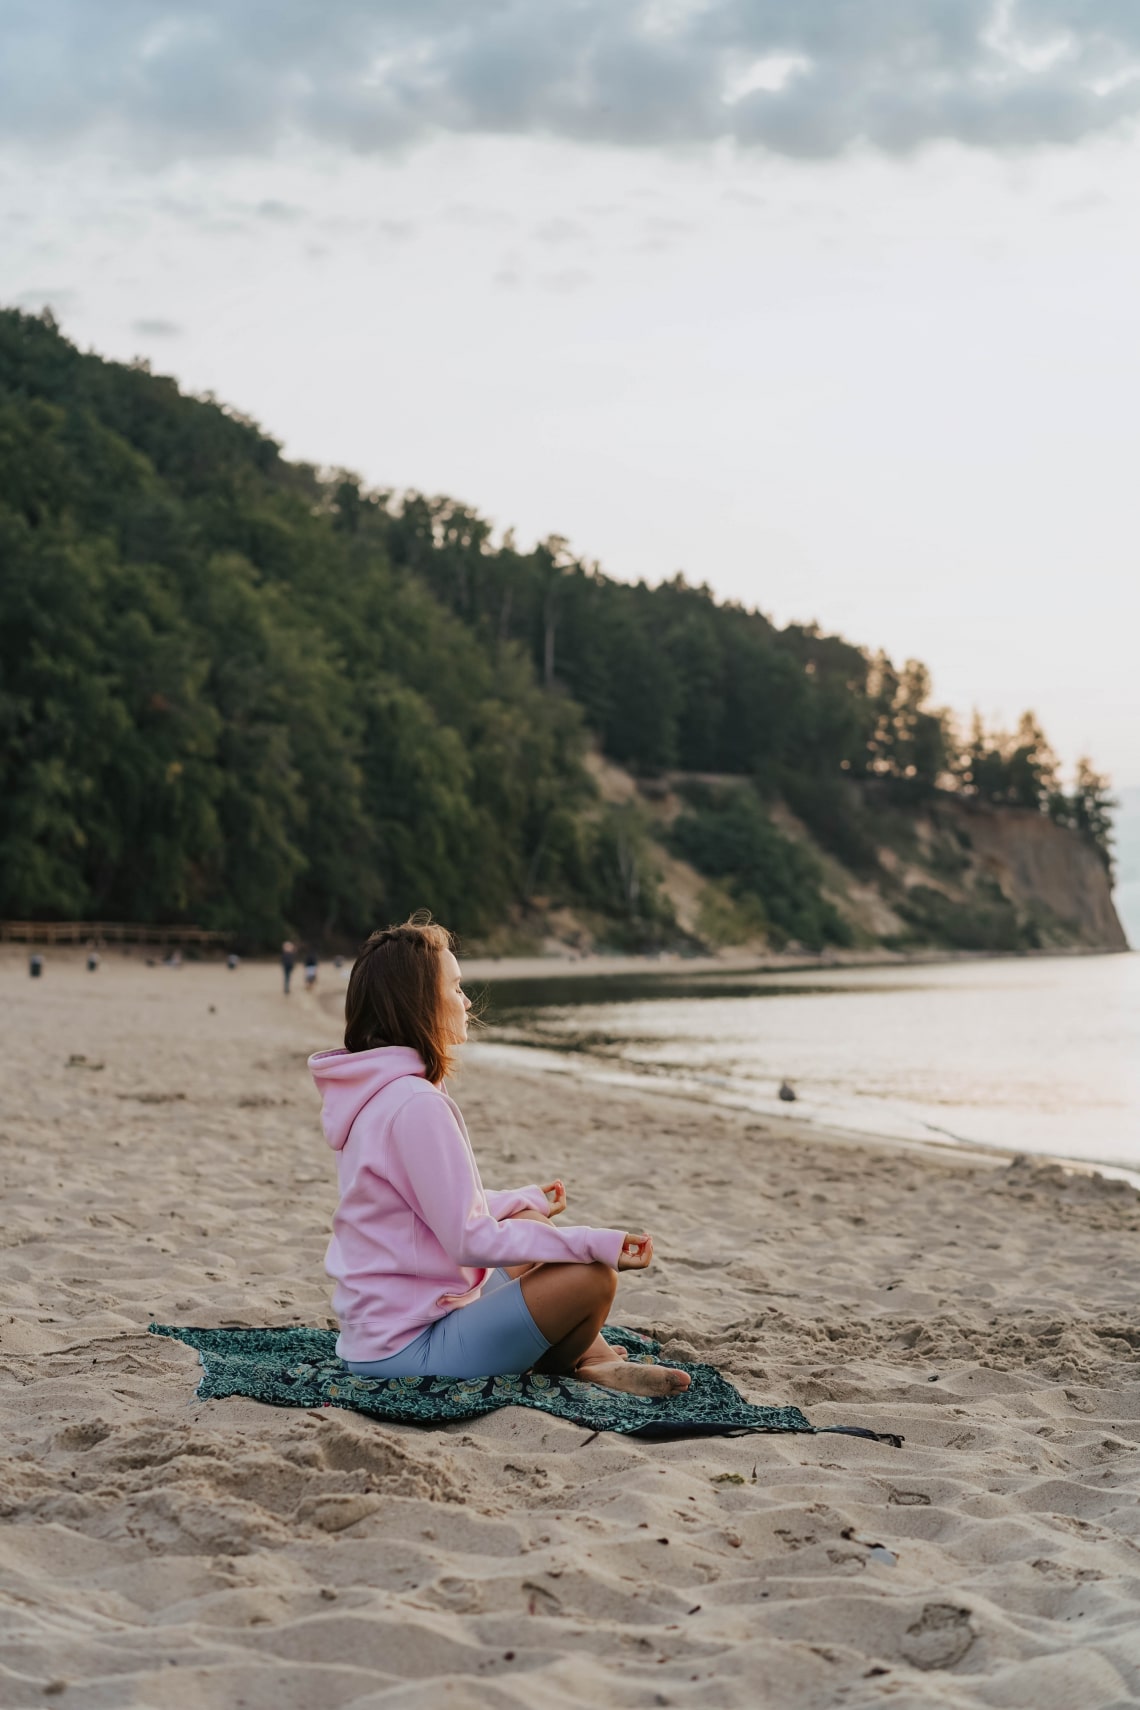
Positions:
{"x": 603, "y": 1280}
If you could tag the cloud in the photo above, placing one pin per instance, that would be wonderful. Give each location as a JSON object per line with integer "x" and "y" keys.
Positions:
{"x": 281, "y": 213}
{"x": 805, "y": 78}
{"x": 561, "y": 231}
{"x": 1089, "y": 202}
{"x": 54, "y": 297}
{"x": 565, "y": 281}
{"x": 156, "y": 328}
{"x": 477, "y": 217}
{"x": 397, "y": 231}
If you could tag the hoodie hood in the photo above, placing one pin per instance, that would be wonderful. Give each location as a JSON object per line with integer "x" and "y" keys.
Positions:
{"x": 346, "y": 1080}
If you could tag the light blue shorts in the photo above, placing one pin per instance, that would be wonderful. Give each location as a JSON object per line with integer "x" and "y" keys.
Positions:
{"x": 494, "y": 1335}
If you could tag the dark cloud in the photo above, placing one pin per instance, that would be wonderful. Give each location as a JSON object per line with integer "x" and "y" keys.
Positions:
{"x": 806, "y": 78}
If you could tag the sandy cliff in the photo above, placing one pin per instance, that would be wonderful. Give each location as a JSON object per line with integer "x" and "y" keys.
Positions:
{"x": 951, "y": 872}
{"x": 1044, "y": 869}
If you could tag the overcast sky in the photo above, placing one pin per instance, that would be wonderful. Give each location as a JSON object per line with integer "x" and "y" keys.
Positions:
{"x": 828, "y": 303}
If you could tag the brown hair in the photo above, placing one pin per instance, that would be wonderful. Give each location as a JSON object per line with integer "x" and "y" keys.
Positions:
{"x": 395, "y": 993}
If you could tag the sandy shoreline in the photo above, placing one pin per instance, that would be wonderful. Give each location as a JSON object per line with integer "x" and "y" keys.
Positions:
{"x": 160, "y": 1551}
{"x": 741, "y": 961}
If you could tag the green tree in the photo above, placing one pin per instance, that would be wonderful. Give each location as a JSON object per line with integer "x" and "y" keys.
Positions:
{"x": 1091, "y": 808}
{"x": 909, "y": 742}
{"x": 235, "y": 690}
{"x": 728, "y": 836}
{"x": 1015, "y": 770}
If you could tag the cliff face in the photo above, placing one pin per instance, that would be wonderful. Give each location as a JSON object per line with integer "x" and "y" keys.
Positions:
{"x": 950, "y": 873}
{"x": 1049, "y": 872}
{"x": 966, "y": 875}
{"x": 1127, "y": 893}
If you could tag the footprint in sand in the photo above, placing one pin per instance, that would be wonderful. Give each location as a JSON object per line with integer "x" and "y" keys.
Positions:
{"x": 939, "y": 1638}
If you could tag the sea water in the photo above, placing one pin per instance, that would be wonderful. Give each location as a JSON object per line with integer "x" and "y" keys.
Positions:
{"x": 1030, "y": 1054}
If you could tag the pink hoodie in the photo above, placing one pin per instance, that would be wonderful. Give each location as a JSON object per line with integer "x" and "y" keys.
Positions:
{"x": 416, "y": 1232}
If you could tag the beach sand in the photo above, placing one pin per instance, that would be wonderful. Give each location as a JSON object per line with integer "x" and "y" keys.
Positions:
{"x": 162, "y": 1158}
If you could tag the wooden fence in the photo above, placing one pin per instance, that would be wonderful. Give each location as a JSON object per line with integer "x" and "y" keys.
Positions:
{"x": 107, "y": 932}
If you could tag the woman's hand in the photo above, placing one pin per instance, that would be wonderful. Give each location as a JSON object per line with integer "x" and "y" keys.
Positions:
{"x": 555, "y": 1198}
{"x": 636, "y": 1253}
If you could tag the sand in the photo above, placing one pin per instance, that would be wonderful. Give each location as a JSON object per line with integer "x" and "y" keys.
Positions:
{"x": 161, "y": 1158}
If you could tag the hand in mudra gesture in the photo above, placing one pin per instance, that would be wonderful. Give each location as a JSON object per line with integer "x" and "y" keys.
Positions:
{"x": 636, "y": 1253}
{"x": 555, "y": 1198}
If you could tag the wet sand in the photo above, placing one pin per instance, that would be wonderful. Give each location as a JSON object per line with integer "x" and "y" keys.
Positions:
{"x": 159, "y": 1551}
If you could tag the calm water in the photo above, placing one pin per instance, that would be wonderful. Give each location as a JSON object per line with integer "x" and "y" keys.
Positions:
{"x": 1038, "y": 1055}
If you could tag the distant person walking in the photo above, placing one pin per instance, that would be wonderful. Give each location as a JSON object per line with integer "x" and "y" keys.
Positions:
{"x": 288, "y": 962}
{"x": 310, "y": 969}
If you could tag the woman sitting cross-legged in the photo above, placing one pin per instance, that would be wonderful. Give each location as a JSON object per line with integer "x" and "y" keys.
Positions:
{"x": 436, "y": 1276}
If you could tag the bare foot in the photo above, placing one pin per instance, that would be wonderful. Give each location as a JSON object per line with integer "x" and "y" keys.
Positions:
{"x": 634, "y": 1378}
{"x": 600, "y": 1353}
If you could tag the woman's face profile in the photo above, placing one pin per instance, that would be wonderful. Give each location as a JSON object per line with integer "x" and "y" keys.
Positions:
{"x": 456, "y": 1003}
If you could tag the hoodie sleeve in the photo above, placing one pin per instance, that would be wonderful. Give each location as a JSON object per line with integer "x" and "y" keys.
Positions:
{"x": 431, "y": 1165}
{"x": 505, "y": 1202}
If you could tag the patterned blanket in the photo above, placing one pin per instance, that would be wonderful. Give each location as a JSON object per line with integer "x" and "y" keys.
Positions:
{"x": 299, "y": 1368}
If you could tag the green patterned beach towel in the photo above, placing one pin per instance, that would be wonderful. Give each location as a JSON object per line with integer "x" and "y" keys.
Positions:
{"x": 300, "y": 1368}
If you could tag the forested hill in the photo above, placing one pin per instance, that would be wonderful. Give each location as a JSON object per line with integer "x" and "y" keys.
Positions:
{"x": 238, "y": 692}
